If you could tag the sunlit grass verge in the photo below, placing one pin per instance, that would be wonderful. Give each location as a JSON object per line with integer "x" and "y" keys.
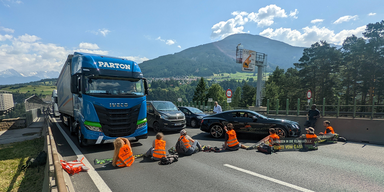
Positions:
{"x": 12, "y": 157}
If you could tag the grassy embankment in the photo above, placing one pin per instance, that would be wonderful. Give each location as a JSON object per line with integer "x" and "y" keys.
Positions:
{"x": 12, "y": 157}
{"x": 34, "y": 89}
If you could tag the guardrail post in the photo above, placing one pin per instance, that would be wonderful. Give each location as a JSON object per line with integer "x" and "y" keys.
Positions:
{"x": 277, "y": 106}
{"x": 204, "y": 105}
{"x": 199, "y": 105}
{"x": 267, "y": 106}
{"x": 298, "y": 106}
{"x": 373, "y": 106}
{"x": 287, "y": 107}
{"x": 338, "y": 107}
{"x": 354, "y": 107}
{"x": 310, "y": 102}
{"x": 323, "y": 106}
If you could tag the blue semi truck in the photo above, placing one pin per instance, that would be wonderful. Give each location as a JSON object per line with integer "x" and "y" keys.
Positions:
{"x": 101, "y": 98}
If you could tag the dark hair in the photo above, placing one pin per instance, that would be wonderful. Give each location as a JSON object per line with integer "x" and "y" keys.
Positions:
{"x": 327, "y": 122}
{"x": 230, "y": 126}
{"x": 272, "y": 130}
{"x": 159, "y": 135}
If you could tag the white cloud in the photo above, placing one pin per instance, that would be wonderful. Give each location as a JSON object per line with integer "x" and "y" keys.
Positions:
{"x": 100, "y": 52}
{"x": 179, "y": 46}
{"x": 310, "y": 35}
{"x": 7, "y": 30}
{"x": 5, "y": 37}
{"x": 136, "y": 59}
{"x": 169, "y": 42}
{"x": 88, "y": 46}
{"x": 104, "y": 32}
{"x": 28, "y": 38}
{"x": 317, "y": 20}
{"x": 345, "y": 19}
{"x": 8, "y": 2}
{"x": 294, "y": 13}
{"x": 166, "y": 41}
{"x": 264, "y": 17}
{"x": 371, "y": 14}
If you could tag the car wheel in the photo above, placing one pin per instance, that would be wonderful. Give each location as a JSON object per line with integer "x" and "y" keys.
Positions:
{"x": 193, "y": 123}
{"x": 156, "y": 127}
{"x": 80, "y": 137}
{"x": 217, "y": 131}
{"x": 282, "y": 133}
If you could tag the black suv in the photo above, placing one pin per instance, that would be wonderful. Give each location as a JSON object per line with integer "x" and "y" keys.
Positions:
{"x": 164, "y": 116}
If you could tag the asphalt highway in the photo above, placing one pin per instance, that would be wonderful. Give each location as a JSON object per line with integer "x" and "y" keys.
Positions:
{"x": 334, "y": 167}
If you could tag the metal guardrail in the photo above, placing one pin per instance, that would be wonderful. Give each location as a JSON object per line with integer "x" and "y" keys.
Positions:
{"x": 56, "y": 180}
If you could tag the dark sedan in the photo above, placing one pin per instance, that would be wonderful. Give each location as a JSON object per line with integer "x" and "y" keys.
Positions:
{"x": 193, "y": 115}
{"x": 245, "y": 121}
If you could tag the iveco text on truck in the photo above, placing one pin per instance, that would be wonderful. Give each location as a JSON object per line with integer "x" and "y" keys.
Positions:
{"x": 101, "y": 98}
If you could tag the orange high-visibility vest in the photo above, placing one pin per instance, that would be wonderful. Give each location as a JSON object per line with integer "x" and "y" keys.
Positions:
{"x": 273, "y": 138}
{"x": 185, "y": 142}
{"x": 159, "y": 151}
{"x": 125, "y": 157}
{"x": 310, "y": 136}
{"x": 330, "y": 129}
{"x": 232, "y": 140}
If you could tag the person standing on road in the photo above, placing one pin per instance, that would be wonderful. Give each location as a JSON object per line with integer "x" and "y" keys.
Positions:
{"x": 190, "y": 144}
{"x": 217, "y": 108}
{"x": 312, "y": 116}
{"x": 157, "y": 151}
{"x": 231, "y": 142}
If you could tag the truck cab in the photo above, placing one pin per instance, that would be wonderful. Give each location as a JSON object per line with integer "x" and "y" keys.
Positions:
{"x": 102, "y": 98}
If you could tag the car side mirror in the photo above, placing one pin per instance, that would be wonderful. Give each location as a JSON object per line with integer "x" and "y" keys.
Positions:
{"x": 254, "y": 118}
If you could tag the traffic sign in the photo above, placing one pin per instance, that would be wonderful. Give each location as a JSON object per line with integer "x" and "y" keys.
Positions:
{"x": 309, "y": 94}
{"x": 179, "y": 99}
{"x": 229, "y": 100}
{"x": 210, "y": 100}
{"x": 228, "y": 93}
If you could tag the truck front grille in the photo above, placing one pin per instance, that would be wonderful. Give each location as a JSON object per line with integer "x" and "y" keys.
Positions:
{"x": 118, "y": 122}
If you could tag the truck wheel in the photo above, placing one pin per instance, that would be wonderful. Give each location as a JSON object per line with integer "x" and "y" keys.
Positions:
{"x": 80, "y": 137}
{"x": 193, "y": 123}
{"x": 61, "y": 118}
{"x": 156, "y": 127}
{"x": 216, "y": 131}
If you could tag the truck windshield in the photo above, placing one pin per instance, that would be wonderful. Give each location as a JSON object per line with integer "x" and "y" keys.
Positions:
{"x": 120, "y": 87}
{"x": 165, "y": 106}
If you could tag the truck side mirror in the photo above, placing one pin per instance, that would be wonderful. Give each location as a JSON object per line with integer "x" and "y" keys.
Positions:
{"x": 145, "y": 86}
{"x": 75, "y": 84}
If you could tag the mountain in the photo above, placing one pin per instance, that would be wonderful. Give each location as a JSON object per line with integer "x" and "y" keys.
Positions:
{"x": 11, "y": 76}
{"x": 219, "y": 57}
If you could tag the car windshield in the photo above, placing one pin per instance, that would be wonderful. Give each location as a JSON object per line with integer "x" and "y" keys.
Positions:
{"x": 165, "y": 106}
{"x": 104, "y": 86}
{"x": 196, "y": 111}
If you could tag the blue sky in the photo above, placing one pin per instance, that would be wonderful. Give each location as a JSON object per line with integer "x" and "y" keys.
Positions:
{"x": 37, "y": 35}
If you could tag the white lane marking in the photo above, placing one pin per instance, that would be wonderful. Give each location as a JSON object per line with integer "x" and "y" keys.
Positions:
{"x": 99, "y": 182}
{"x": 269, "y": 178}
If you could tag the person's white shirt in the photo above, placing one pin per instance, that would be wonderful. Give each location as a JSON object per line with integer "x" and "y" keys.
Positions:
{"x": 217, "y": 109}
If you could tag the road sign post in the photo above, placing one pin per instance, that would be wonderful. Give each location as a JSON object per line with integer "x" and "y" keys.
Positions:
{"x": 309, "y": 96}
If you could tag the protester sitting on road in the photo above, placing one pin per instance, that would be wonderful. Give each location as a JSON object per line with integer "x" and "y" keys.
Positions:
{"x": 231, "y": 142}
{"x": 157, "y": 151}
{"x": 122, "y": 156}
{"x": 190, "y": 145}
{"x": 270, "y": 143}
{"x": 311, "y": 139}
{"x": 328, "y": 128}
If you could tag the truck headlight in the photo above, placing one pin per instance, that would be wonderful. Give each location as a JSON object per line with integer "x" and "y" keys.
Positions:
{"x": 141, "y": 123}
{"x": 93, "y": 126}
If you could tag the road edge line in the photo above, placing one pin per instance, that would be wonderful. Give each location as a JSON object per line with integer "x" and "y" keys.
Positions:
{"x": 96, "y": 178}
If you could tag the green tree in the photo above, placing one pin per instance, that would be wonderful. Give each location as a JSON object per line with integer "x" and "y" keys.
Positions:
{"x": 217, "y": 93}
{"x": 236, "y": 97}
{"x": 248, "y": 95}
{"x": 200, "y": 91}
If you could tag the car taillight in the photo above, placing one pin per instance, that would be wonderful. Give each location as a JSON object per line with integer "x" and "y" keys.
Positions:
{"x": 202, "y": 121}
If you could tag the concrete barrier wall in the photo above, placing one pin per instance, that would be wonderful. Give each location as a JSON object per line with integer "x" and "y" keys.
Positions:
{"x": 360, "y": 130}
{"x": 31, "y": 116}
